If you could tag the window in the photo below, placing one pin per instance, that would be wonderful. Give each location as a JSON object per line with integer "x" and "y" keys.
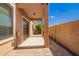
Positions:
{"x": 5, "y": 21}
{"x": 25, "y": 28}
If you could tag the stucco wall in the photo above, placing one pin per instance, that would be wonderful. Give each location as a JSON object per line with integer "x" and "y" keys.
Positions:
{"x": 19, "y": 27}
{"x": 67, "y": 34}
{"x": 6, "y": 47}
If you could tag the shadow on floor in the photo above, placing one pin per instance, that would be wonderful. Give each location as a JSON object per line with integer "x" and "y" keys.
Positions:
{"x": 58, "y": 49}
{"x": 29, "y": 47}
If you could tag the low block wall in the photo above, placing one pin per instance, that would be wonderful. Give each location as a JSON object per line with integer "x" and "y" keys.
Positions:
{"x": 6, "y": 47}
{"x": 67, "y": 34}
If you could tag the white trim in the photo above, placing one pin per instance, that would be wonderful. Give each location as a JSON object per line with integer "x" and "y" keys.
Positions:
{"x": 13, "y": 6}
{"x": 9, "y": 5}
{"x": 13, "y": 25}
{"x": 25, "y": 18}
{"x": 6, "y": 40}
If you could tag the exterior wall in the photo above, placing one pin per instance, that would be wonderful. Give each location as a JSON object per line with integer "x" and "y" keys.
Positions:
{"x": 67, "y": 34}
{"x": 5, "y": 48}
{"x": 30, "y": 28}
{"x": 6, "y": 45}
{"x": 46, "y": 41}
{"x": 19, "y": 27}
{"x": 34, "y": 26}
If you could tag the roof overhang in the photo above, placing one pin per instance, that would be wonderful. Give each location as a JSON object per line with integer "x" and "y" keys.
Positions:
{"x": 32, "y": 11}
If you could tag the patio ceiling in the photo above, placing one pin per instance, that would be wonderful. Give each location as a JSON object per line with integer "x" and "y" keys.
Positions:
{"x": 34, "y": 11}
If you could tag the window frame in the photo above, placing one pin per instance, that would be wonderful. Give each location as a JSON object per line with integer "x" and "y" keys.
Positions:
{"x": 12, "y": 23}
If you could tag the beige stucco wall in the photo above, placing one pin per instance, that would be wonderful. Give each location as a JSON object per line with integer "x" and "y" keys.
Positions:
{"x": 46, "y": 38}
{"x": 19, "y": 27}
{"x": 67, "y": 34}
{"x": 30, "y": 28}
{"x": 5, "y": 48}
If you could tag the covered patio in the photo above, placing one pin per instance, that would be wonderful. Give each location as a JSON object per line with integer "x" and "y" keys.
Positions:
{"x": 26, "y": 16}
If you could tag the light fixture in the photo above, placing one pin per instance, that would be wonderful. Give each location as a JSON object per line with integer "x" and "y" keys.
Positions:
{"x": 34, "y": 13}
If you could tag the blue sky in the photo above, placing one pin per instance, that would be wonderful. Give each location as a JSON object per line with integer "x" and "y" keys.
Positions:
{"x": 60, "y": 13}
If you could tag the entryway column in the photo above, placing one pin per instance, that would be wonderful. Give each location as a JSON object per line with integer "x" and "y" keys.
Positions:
{"x": 42, "y": 28}
{"x": 30, "y": 29}
{"x": 46, "y": 37}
